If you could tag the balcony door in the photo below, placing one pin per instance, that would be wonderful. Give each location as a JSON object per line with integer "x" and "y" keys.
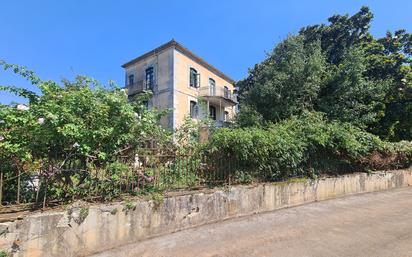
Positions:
{"x": 212, "y": 87}
{"x": 226, "y": 92}
{"x": 149, "y": 77}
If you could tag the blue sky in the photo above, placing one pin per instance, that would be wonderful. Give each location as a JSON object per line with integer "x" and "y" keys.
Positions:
{"x": 59, "y": 39}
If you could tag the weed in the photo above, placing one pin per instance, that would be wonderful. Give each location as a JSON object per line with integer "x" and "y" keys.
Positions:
{"x": 3, "y": 253}
{"x": 157, "y": 198}
{"x": 129, "y": 206}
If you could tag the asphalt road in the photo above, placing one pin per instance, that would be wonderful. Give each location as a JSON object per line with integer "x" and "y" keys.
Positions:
{"x": 375, "y": 224}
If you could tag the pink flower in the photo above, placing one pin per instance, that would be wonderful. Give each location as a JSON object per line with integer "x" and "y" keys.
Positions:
{"x": 1, "y": 138}
{"x": 40, "y": 121}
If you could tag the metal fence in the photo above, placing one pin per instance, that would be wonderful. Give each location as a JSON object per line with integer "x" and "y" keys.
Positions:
{"x": 148, "y": 171}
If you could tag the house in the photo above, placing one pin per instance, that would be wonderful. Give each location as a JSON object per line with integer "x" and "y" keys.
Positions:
{"x": 182, "y": 82}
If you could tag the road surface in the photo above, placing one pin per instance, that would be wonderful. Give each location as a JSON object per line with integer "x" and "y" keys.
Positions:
{"x": 375, "y": 224}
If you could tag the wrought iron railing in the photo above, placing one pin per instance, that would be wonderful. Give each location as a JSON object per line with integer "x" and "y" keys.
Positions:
{"x": 218, "y": 92}
{"x": 139, "y": 86}
{"x": 148, "y": 170}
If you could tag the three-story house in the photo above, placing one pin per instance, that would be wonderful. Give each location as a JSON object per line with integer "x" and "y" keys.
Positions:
{"x": 183, "y": 82}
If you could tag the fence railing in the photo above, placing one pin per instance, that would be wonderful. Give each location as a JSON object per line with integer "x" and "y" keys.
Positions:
{"x": 139, "y": 86}
{"x": 150, "y": 171}
{"x": 218, "y": 92}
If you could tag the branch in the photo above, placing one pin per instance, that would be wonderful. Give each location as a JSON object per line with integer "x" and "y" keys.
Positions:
{"x": 23, "y": 71}
{"x": 32, "y": 96}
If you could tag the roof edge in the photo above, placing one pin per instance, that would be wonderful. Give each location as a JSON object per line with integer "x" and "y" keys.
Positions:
{"x": 184, "y": 50}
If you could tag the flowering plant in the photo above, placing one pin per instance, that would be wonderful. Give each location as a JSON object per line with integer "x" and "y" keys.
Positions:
{"x": 77, "y": 123}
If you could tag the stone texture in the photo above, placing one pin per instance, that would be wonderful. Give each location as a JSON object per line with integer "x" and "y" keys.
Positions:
{"x": 375, "y": 224}
{"x": 71, "y": 233}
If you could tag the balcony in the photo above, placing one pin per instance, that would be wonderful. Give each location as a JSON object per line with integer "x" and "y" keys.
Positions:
{"x": 218, "y": 95}
{"x": 138, "y": 87}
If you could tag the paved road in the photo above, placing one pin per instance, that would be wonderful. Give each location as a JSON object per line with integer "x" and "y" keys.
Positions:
{"x": 376, "y": 224}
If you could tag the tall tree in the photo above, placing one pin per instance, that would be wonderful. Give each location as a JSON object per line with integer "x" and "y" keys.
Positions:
{"x": 287, "y": 82}
{"x": 347, "y": 95}
{"x": 368, "y": 80}
{"x": 342, "y": 32}
{"x": 390, "y": 58}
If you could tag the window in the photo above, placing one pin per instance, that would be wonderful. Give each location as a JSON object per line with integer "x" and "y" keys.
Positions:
{"x": 225, "y": 92}
{"x": 131, "y": 79}
{"x": 226, "y": 117}
{"x": 149, "y": 78}
{"x": 212, "y": 112}
{"x": 194, "y": 78}
{"x": 193, "y": 110}
{"x": 212, "y": 87}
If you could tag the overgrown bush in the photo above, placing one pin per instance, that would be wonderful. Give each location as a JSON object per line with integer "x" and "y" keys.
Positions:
{"x": 80, "y": 139}
{"x": 71, "y": 139}
{"x": 307, "y": 145}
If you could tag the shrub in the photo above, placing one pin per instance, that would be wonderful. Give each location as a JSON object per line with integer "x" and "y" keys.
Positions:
{"x": 67, "y": 140}
{"x": 3, "y": 253}
{"x": 307, "y": 145}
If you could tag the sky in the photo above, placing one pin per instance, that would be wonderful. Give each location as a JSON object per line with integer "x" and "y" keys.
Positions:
{"x": 60, "y": 39}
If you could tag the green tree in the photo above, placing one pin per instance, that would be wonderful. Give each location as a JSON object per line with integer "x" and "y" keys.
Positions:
{"x": 287, "y": 82}
{"x": 79, "y": 122}
{"x": 349, "y": 96}
{"x": 388, "y": 58}
{"x": 342, "y": 32}
{"x": 368, "y": 81}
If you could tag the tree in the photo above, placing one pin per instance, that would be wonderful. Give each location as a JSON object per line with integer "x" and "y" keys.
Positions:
{"x": 79, "y": 122}
{"x": 364, "y": 80}
{"x": 248, "y": 117}
{"x": 341, "y": 33}
{"x": 287, "y": 82}
{"x": 347, "y": 95}
{"x": 388, "y": 58}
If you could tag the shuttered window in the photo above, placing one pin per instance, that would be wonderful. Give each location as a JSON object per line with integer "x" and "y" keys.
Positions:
{"x": 194, "y": 78}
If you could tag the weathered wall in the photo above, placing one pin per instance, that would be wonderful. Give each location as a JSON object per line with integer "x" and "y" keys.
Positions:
{"x": 162, "y": 63}
{"x": 184, "y": 93}
{"x": 108, "y": 226}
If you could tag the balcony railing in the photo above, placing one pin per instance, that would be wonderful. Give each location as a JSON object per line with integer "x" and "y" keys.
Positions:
{"x": 218, "y": 92}
{"x": 138, "y": 86}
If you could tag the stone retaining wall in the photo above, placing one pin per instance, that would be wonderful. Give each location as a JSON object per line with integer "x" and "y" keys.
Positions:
{"x": 81, "y": 231}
